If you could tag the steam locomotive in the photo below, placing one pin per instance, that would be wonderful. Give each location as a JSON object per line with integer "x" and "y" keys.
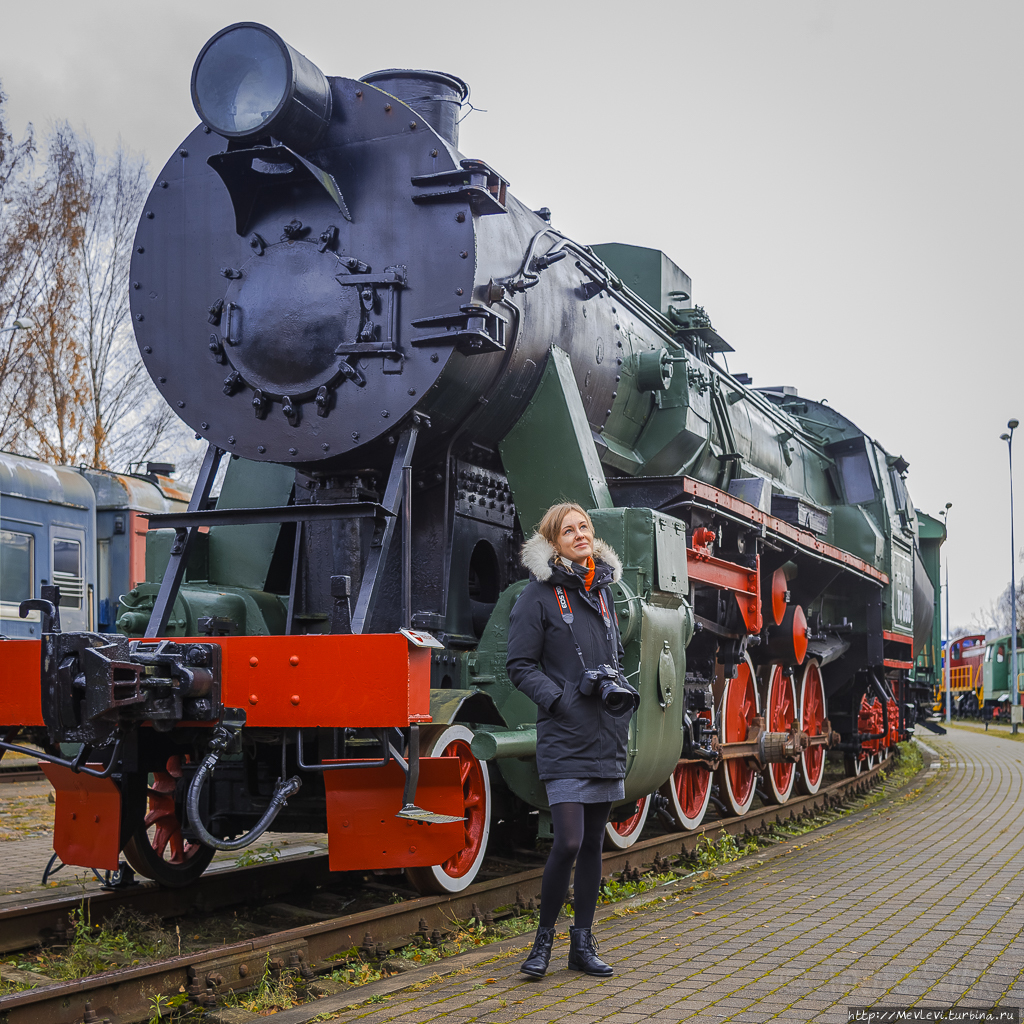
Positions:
{"x": 403, "y": 367}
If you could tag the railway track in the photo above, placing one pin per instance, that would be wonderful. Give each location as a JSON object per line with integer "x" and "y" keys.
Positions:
{"x": 26, "y": 772}
{"x": 125, "y": 995}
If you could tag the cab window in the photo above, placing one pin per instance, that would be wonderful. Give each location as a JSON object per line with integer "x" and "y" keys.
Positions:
{"x": 855, "y": 471}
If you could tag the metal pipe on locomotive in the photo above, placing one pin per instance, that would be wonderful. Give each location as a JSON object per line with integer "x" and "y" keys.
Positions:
{"x": 404, "y": 367}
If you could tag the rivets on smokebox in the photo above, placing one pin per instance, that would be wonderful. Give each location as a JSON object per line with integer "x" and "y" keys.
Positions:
{"x": 412, "y": 124}
{"x": 433, "y": 152}
{"x": 325, "y": 446}
{"x": 182, "y": 152}
{"x": 460, "y": 216}
{"x": 141, "y": 249}
{"x": 293, "y": 451}
{"x": 181, "y": 405}
{"x": 387, "y": 106}
{"x": 148, "y": 350}
{"x": 464, "y": 254}
{"x": 163, "y": 184}
{"x": 385, "y": 413}
{"x": 359, "y": 94}
{"x": 205, "y": 426}
{"x": 253, "y": 699}
{"x": 149, "y": 215}
{"x": 254, "y": 661}
{"x": 293, "y": 660}
{"x": 261, "y": 448}
{"x": 295, "y": 699}
{"x": 458, "y": 291}
{"x": 140, "y": 317}
{"x": 231, "y": 439}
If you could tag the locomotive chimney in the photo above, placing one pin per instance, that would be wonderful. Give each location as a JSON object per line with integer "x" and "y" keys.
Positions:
{"x": 437, "y": 97}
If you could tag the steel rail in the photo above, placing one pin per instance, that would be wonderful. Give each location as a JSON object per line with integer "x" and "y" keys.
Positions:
{"x": 32, "y": 922}
{"x": 126, "y": 995}
{"x": 20, "y": 773}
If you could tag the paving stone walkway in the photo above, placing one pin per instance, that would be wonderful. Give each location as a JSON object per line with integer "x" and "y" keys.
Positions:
{"x": 916, "y": 901}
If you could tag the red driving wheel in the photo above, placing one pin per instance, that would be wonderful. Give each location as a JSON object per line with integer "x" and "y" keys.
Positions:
{"x": 780, "y": 712}
{"x": 737, "y": 779}
{"x": 812, "y": 717}
{"x": 459, "y": 870}
{"x": 688, "y": 791}
{"x": 619, "y": 835}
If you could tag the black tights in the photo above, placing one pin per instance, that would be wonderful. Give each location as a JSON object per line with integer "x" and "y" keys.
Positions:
{"x": 579, "y": 837}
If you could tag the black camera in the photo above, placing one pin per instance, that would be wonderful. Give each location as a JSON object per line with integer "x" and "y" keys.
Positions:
{"x": 603, "y": 682}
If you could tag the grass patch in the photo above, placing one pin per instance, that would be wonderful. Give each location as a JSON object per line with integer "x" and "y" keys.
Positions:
{"x": 258, "y": 855}
{"x": 1001, "y": 731}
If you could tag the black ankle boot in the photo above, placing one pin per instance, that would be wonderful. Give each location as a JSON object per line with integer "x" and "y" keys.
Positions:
{"x": 583, "y": 953}
{"x": 537, "y": 962}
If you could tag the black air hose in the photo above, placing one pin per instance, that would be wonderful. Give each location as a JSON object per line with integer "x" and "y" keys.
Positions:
{"x": 282, "y": 790}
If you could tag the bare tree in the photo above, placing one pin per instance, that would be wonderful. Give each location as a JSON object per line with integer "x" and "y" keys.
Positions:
{"x": 997, "y": 614}
{"x": 16, "y": 278}
{"x": 74, "y": 389}
{"x": 44, "y": 228}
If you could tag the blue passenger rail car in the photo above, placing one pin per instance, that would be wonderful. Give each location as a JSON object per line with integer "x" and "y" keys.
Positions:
{"x": 79, "y": 529}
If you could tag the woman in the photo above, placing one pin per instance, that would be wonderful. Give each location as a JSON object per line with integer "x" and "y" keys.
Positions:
{"x": 562, "y": 625}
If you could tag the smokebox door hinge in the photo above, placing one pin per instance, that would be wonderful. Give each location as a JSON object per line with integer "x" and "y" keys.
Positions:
{"x": 473, "y": 330}
{"x": 481, "y": 186}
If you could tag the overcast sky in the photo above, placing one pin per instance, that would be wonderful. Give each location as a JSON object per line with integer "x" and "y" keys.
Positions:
{"x": 841, "y": 179}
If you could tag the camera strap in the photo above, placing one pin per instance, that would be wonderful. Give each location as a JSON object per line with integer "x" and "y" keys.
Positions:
{"x": 567, "y": 618}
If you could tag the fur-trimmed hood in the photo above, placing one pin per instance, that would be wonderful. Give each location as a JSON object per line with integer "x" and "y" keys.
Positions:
{"x": 538, "y": 554}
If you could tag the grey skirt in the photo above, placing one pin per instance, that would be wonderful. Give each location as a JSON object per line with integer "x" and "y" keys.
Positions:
{"x": 584, "y": 791}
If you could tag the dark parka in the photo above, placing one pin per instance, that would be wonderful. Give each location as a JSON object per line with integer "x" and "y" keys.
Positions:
{"x": 576, "y": 737}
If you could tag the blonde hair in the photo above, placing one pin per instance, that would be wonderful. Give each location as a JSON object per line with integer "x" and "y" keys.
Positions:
{"x": 550, "y": 525}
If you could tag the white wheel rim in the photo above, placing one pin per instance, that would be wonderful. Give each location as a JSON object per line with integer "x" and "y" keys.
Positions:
{"x": 685, "y": 821}
{"x": 777, "y": 678}
{"x": 810, "y": 781}
{"x": 724, "y": 775}
{"x": 436, "y": 747}
{"x": 618, "y": 840}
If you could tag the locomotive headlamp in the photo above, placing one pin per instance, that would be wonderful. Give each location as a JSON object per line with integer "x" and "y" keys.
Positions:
{"x": 248, "y": 82}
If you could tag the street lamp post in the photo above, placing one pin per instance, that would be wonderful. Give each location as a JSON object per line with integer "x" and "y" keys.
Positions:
{"x": 1008, "y": 438}
{"x": 949, "y": 649}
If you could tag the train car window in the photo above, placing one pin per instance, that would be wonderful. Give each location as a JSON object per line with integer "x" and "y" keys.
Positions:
{"x": 16, "y": 555}
{"x": 67, "y": 572}
{"x": 855, "y": 470}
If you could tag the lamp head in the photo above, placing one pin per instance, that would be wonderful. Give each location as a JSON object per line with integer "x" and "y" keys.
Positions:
{"x": 1013, "y": 424}
{"x": 949, "y": 505}
{"x": 1004, "y": 437}
{"x": 248, "y": 83}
